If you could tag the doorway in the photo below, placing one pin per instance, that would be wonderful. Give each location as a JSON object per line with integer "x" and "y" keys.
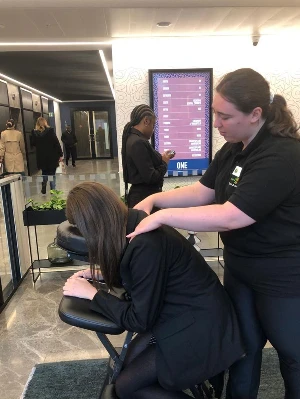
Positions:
{"x": 93, "y": 134}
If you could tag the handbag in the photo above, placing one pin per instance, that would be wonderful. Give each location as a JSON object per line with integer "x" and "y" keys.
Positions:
{"x": 61, "y": 169}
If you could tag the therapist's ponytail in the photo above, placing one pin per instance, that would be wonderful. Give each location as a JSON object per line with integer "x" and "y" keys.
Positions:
{"x": 280, "y": 119}
{"x": 248, "y": 89}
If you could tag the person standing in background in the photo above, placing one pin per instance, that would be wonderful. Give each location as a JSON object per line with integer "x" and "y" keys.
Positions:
{"x": 12, "y": 149}
{"x": 48, "y": 151}
{"x": 70, "y": 141}
{"x": 143, "y": 167}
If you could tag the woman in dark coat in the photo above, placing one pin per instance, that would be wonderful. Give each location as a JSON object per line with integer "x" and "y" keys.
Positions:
{"x": 48, "y": 151}
{"x": 143, "y": 167}
{"x": 175, "y": 297}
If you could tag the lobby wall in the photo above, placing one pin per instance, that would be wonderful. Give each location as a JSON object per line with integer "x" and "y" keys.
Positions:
{"x": 274, "y": 57}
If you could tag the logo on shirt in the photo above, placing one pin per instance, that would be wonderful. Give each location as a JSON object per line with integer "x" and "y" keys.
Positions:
{"x": 235, "y": 176}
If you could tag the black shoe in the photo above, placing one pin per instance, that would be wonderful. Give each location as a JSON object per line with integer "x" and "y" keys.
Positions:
{"x": 74, "y": 166}
{"x": 66, "y": 163}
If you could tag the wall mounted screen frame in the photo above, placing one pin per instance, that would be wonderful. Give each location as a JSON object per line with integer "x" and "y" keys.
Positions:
{"x": 181, "y": 100}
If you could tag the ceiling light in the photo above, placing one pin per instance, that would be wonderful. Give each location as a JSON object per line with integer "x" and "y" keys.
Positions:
{"x": 163, "y": 24}
{"x": 28, "y": 88}
{"x": 104, "y": 63}
{"x": 54, "y": 43}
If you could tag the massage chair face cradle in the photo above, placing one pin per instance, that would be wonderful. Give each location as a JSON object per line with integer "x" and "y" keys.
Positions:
{"x": 76, "y": 312}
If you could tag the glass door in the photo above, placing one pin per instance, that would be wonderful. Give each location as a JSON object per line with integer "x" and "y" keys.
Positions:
{"x": 102, "y": 137}
{"x": 93, "y": 134}
{"x": 82, "y": 131}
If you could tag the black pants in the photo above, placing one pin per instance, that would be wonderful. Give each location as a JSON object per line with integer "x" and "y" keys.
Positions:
{"x": 138, "y": 192}
{"x": 264, "y": 317}
{"x": 71, "y": 151}
{"x": 138, "y": 379}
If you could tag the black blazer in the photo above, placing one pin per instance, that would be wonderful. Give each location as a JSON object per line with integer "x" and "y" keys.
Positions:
{"x": 48, "y": 149}
{"x": 69, "y": 138}
{"x": 176, "y": 295}
{"x": 144, "y": 164}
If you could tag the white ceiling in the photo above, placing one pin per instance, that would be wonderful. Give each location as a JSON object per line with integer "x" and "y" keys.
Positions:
{"x": 145, "y": 3}
{"x": 102, "y": 20}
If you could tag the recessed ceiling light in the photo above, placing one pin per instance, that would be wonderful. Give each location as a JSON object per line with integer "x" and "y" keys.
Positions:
{"x": 163, "y": 24}
{"x": 26, "y": 87}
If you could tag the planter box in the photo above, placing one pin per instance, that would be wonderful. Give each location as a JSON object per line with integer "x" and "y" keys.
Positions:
{"x": 38, "y": 218}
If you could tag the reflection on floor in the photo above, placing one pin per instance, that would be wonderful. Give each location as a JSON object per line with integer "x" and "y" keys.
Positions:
{"x": 30, "y": 329}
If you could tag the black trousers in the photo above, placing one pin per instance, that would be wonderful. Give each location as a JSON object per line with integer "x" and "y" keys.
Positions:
{"x": 71, "y": 151}
{"x": 264, "y": 317}
{"x": 138, "y": 192}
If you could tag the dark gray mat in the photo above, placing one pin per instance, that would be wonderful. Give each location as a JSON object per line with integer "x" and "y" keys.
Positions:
{"x": 271, "y": 383}
{"x": 82, "y": 379}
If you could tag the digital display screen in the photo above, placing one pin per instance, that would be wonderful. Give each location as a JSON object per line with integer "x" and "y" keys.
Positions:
{"x": 181, "y": 100}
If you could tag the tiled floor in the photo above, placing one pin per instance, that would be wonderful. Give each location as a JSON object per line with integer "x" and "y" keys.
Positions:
{"x": 30, "y": 329}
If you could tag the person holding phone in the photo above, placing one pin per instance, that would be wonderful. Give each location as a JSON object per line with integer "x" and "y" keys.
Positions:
{"x": 143, "y": 167}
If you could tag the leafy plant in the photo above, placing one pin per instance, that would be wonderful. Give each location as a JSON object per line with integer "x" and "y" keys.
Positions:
{"x": 55, "y": 202}
{"x": 123, "y": 198}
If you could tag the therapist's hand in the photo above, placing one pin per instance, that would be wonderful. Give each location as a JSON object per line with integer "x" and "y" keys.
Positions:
{"x": 80, "y": 288}
{"x": 148, "y": 224}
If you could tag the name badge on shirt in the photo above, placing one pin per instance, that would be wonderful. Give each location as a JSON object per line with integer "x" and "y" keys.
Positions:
{"x": 235, "y": 176}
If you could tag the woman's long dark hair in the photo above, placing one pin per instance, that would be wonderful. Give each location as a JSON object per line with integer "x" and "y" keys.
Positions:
{"x": 101, "y": 217}
{"x": 247, "y": 89}
{"x": 137, "y": 114}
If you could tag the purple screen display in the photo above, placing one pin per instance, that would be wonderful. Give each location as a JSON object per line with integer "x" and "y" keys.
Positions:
{"x": 182, "y": 104}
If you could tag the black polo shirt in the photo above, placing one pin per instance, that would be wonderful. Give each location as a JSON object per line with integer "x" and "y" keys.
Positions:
{"x": 144, "y": 164}
{"x": 263, "y": 181}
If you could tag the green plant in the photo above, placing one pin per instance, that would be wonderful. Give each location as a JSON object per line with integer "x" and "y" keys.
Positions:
{"x": 55, "y": 202}
{"x": 123, "y": 198}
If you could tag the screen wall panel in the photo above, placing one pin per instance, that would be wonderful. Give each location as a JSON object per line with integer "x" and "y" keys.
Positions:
{"x": 4, "y": 115}
{"x": 26, "y": 99}
{"x": 45, "y": 105}
{"x": 3, "y": 93}
{"x": 28, "y": 121}
{"x": 37, "y": 105}
{"x": 13, "y": 96}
